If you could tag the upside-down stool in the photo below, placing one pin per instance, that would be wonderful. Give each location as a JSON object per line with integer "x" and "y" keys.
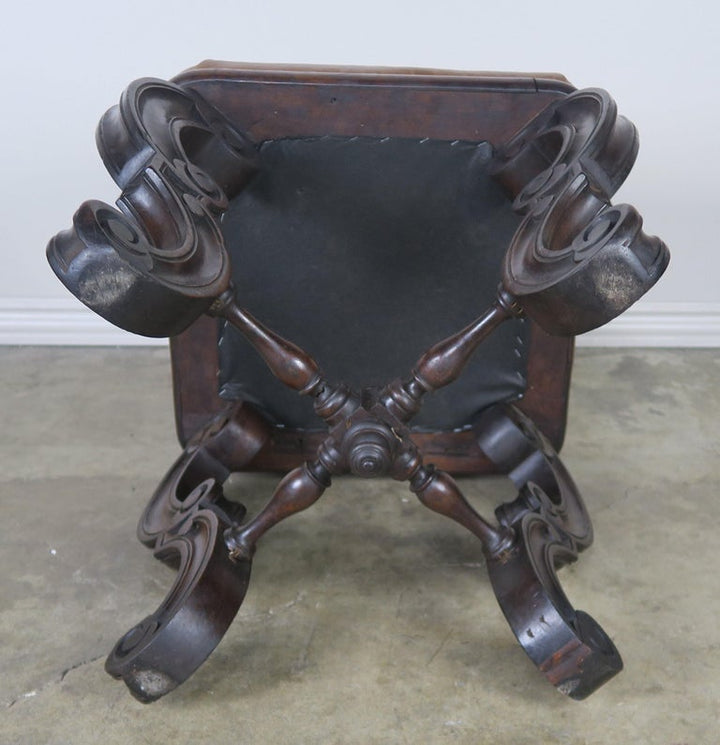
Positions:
{"x": 369, "y": 216}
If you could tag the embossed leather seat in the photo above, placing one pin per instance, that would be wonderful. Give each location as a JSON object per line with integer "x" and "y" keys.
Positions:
{"x": 367, "y": 215}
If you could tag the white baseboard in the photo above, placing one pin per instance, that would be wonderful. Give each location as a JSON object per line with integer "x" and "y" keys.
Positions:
{"x": 65, "y": 321}
{"x": 61, "y": 322}
{"x": 660, "y": 325}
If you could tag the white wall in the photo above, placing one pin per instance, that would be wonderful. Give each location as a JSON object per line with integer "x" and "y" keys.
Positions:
{"x": 66, "y": 62}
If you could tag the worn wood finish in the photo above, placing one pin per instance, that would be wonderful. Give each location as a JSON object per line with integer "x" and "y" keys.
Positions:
{"x": 159, "y": 263}
{"x": 576, "y": 261}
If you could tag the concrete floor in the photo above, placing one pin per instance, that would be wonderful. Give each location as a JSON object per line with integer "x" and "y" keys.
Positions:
{"x": 368, "y": 619}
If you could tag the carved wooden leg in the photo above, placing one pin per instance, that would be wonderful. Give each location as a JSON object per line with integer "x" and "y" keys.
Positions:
{"x": 551, "y": 526}
{"x": 184, "y": 524}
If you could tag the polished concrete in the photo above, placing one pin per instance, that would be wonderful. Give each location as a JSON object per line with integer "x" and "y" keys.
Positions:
{"x": 368, "y": 619}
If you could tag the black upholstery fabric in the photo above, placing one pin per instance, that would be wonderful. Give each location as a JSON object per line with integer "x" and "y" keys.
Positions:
{"x": 365, "y": 252}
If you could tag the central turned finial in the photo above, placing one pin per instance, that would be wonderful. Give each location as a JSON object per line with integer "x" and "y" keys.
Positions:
{"x": 371, "y": 449}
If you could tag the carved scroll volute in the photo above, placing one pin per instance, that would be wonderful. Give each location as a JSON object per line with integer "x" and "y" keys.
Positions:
{"x": 156, "y": 263}
{"x": 551, "y": 526}
{"x": 184, "y": 524}
{"x": 164, "y": 649}
{"x": 576, "y": 262}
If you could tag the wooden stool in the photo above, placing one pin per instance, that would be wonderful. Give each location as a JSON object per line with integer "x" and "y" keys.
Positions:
{"x": 366, "y": 214}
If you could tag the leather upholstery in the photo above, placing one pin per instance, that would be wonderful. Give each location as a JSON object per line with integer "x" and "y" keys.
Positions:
{"x": 365, "y": 252}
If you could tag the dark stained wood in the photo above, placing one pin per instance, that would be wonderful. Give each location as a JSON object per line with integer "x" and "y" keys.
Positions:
{"x": 180, "y": 153}
{"x": 576, "y": 261}
{"x": 195, "y": 385}
{"x": 546, "y": 397}
{"x": 551, "y": 527}
{"x": 312, "y": 101}
{"x": 184, "y": 525}
{"x": 373, "y": 103}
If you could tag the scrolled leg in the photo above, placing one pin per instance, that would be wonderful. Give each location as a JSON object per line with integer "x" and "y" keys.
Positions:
{"x": 184, "y": 525}
{"x": 551, "y": 527}
{"x": 568, "y": 646}
{"x": 227, "y": 443}
{"x": 164, "y": 649}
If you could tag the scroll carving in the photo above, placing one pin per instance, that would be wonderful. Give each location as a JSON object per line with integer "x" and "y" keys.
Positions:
{"x": 576, "y": 261}
{"x": 158, "y": 261}
{"x": 551, "y": 527}
{"x": 184, "y": 524}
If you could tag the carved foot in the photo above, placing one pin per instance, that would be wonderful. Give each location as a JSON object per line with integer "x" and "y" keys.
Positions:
{"x": 551, "y": 526}
{"x": 184, "y": 524}
{"x": 164, "y": 649}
